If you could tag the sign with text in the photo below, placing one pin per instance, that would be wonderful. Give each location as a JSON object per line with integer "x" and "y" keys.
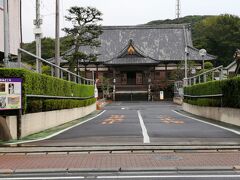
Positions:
{"x": 10, "y": 93}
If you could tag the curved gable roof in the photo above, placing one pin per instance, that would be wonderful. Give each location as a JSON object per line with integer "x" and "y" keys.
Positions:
{"x": 163, "y": 43}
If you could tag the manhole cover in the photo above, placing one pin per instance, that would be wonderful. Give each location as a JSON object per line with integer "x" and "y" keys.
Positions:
{"x": 168, "y": 158}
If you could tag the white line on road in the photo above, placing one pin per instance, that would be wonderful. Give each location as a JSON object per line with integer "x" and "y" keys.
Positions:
{"x": 57, "y": 133}
{"x": 126, "y": 177}
{"x": 168, "y": 176}
{"x": 222, "y": 127}
{"x": 146, "y": 138}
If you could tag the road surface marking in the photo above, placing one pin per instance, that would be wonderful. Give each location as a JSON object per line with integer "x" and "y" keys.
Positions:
{"x": 222, "y": 127}
{"x": 113, "y": 119}
{"x": 167, "y": 176}
{"x": 171, "y": 120}
{"x": 146, "y": 138}
{"x": 57, "y": 133}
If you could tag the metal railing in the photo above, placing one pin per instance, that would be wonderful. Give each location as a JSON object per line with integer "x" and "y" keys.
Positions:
{"x": 64, "y": 74}
{"x": 57, "y": 97}
{"x": 178, "y": 89}
{"x": 210, "y": 75}
{"x": 204, "y": 96}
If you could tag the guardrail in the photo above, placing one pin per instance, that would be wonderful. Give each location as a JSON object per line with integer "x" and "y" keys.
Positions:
{"x": 203, "y": 96}
{"x": 64, "y": 74}
{"x": 212, "y": 74}
{"x": 57, "y": 97}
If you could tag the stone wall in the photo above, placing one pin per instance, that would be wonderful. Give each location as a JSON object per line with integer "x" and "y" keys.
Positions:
{"x": 36, "y": 122}
{"x": 227, "y": 115}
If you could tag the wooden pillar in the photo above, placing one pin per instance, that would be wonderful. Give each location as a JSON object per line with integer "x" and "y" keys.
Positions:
{"x": 114, "y": 84}
{"x": 166, "y": 75}
{"x": 85, "y": 70}
{"x": 96, "y": 71}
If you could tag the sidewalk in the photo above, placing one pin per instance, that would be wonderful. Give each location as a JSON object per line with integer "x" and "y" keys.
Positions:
{"x": 79, "y": 161}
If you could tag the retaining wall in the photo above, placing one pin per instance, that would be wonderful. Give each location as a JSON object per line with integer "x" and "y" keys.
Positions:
{"x": 36, "y": 122}
{"x": 227, "y": 115}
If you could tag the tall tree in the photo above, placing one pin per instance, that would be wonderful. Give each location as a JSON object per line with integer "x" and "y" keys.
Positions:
{"x": 84, "y": 32}
{"x": 47, "y": 49}
{"x": 220, "y": 35}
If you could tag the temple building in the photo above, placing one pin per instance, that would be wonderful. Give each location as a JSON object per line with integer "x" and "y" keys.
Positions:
{"x": 138, "y": 60}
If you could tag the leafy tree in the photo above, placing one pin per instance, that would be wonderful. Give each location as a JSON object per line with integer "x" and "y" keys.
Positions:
{"x": 179, "y": 73}
{"x": 106, "y": 86}
{"x": 48, "y": 48}
{"x": 220, "y": 35}
{"x": 84, "y": 32}
{"x": 187, "y": 19}
{"x": 208, "y": 65}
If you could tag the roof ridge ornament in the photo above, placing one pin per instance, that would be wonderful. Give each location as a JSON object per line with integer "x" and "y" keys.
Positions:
{"x": 131, "y": 50}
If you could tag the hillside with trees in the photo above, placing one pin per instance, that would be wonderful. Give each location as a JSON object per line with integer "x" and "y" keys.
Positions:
{"x": 219, "y": 35}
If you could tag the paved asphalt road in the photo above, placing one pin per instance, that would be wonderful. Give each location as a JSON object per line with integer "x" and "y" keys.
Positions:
{"x": 139, "y": 123}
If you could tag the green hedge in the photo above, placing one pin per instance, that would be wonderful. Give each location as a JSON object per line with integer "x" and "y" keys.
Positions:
{"x": 36, "y": 105}
{"x": 208, "y": 88}
{"x": 230, "y": 89}
{"x": 39, "y": 84}
{"x": 231, "y": 93}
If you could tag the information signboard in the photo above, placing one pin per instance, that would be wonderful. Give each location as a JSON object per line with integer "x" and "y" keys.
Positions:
{"x": 10, "y": 93}
{"x": 161, "y": 95}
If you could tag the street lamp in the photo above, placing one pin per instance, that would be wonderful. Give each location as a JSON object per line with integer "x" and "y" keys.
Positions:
{"x": 202, "y": 53}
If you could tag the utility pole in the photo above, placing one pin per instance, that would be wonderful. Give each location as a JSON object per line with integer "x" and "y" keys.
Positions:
{"x": 38, "y": 34}
{"x": 6, "y": 33}
{"x": 57, "y": 44}
{"x": 178, "y": 9}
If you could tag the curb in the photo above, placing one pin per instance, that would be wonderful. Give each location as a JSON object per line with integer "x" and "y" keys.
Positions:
{"x": 49, "y": 170}
{"x": 119, "y": 149}
{"x": 55, "y": 134}
{"x": 96, "y": 170}
{"x": 209, "y": 123}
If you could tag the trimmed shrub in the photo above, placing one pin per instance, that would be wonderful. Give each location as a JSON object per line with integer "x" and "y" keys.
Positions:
{"x": 40, "y": 84}
{"x": 231, "y": 92}
{"x": 230, "y": 89}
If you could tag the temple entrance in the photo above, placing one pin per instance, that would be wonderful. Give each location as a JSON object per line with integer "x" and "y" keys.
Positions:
{"x": 131, "y": 78}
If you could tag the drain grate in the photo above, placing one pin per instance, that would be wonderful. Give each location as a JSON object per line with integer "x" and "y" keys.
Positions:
{"x": 168, "y": 158}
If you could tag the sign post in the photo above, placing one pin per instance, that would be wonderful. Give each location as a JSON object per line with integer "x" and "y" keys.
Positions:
{"x": 10, "y": 93}
{"x": 11, "y": 98}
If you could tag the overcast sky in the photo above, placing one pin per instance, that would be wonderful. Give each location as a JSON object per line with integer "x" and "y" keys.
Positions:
{"x": 123, "y": 12}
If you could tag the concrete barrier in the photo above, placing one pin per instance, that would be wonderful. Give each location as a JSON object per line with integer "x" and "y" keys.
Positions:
{"x": 36, "y": 122}
{"x": 227, "y": 115}
{"x": 178, "y": 100}
{"x": 8, "y": 128}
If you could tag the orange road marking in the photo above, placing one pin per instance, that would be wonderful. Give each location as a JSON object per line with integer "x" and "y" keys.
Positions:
{"x": 171, "y": 120}
{"x": 113, "y": 119}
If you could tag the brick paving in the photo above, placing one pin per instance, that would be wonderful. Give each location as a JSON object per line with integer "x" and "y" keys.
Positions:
{"x": 124, "y": 160}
